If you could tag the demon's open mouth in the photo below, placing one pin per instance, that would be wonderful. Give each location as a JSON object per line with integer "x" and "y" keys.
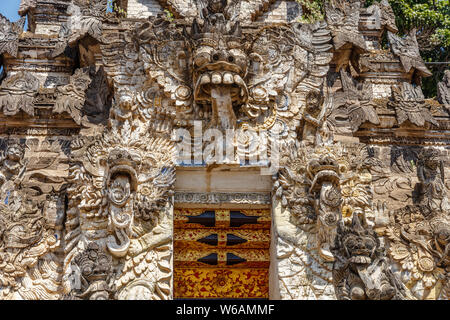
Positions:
{"x": 228, "y": 81}
{"x": 222, "y": 89}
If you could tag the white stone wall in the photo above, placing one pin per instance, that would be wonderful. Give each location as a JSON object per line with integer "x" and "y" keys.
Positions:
{"x": 282, "y": 11}
{"x": 44, "y": 28}
{"x": 143, "y": 8}
{"x": 381, "y": 90}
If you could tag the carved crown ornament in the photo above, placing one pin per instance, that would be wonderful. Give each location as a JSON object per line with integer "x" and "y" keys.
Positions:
{"x": 89, "y": 213}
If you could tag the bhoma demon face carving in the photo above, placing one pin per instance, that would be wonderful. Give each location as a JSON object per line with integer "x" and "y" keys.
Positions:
{"x": 220, "y": 64}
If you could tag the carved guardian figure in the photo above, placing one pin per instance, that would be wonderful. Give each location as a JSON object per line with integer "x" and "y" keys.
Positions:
{"x": 361, "y": 270}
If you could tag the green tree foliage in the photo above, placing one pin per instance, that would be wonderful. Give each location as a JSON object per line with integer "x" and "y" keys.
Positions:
{"x": 431, "y": 18}
{"x": 312, "y": 10}
{"x": 113, "y": 6}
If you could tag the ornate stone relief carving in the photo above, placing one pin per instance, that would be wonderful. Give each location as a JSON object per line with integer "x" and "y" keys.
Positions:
{"x": 217, "y": 198}
{"x": 381, "y": 68}
{"x": 18, "y": 92}
{"x": 392, "y": 175}
{"x": 91, "y": 272}
{"x": 409, "y": 104}
{"x": 86, "y": 98}
{"x": 71, "y": 97}
{"x": 407, "y": 50}
{"x": 418, "y": 233}
{"x": 361, "y": 270}
{"x": 443, "y": 93}
{"x": 105, "y": 183}
{"x": 10, "y": 32}
{"x": 321, "y": 187}
{"x": 212, "y": 74}
{"x": 353, "y": 106}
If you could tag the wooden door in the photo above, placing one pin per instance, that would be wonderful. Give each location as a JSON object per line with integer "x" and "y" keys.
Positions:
{"x": 221, "y": 253}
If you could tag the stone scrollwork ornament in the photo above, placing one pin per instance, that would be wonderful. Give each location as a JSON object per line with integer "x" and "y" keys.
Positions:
{"x": 18, "y": 92}
{"x": 409, "y": 104}
{"x": 9, "y": 35}
{"x": 418, "y": 234}
{"x": 71, "y": 97}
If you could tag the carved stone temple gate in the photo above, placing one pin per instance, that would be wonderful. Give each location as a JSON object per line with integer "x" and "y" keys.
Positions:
{"x": 219, "y": 149}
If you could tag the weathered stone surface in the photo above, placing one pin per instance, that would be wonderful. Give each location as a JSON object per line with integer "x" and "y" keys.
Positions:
{"x": 10, "y": 35}
{"x": 443, "y": 93}
{"x": 248, "y": 109}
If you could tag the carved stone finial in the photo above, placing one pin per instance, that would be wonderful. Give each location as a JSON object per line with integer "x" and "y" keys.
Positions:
{"x": 86, "y": 19}
{"x": 407, "y": 49}
{"x": 409, "y": 104}
{"x": 443, "y": 91}
{"x": 355, "y": 103}
{"x": 26, "y": 5}
{"x": 384, "y": 16}
{"x": 10, "y": 32}
{"x": 387, "y": 16}
{"x": 343, "y": 20}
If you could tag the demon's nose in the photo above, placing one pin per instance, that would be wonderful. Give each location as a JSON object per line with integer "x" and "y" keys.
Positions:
{"x": 222, "y": 56}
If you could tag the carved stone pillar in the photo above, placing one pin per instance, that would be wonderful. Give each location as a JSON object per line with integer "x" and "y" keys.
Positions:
{"x": 297, "y": 270}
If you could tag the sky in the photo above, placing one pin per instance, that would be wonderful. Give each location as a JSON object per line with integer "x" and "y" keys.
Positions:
{"x": 9, "y": 8}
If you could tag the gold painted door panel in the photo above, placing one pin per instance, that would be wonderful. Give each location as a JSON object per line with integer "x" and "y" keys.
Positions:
{"x": 221, "y": 253}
